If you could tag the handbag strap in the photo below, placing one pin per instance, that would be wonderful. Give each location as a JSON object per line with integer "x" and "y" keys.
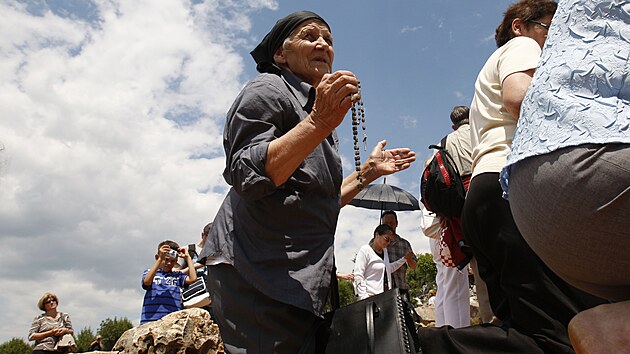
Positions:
{"x": 370, "y": 309}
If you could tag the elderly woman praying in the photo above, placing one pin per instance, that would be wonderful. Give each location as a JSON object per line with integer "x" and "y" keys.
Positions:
{"x": 270, "y": 251}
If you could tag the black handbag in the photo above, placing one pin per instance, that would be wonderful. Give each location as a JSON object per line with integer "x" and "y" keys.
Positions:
{"x": 378, "y": 324}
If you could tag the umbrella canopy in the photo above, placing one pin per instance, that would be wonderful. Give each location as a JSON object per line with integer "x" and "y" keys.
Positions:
{"x": 385, "y": 197}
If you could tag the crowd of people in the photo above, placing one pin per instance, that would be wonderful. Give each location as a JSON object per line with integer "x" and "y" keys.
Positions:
{"x": 544, "y": 148}
{"x": 175, "y": 267}
{"x": 529, "y": 249}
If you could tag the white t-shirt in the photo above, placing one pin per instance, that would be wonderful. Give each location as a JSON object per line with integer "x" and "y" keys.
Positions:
{"x": 492, "y": 126}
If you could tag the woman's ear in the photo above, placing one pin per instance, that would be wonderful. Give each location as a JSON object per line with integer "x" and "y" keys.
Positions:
{"x": 279, "y": 57}
{"x": 517, "y": 26}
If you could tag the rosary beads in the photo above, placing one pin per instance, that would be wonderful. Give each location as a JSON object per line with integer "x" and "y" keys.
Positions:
{"x": 358, "y": 119}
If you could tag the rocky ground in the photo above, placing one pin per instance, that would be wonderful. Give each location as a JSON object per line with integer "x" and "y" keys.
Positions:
{"x": 192, "y": 331}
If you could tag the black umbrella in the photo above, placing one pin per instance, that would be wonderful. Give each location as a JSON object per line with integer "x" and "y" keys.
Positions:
{"x": 385, "y": 197}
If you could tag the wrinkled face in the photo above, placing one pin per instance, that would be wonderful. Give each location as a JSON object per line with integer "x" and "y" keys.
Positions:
{"x": 537, "y": 29}
{"x": 390, "y": 220}
{"x": 308, "y": 52}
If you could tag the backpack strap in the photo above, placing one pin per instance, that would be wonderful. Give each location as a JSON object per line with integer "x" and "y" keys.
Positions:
{"x": 443, "y": 142}
{"x": 442, "y": 145}
{"x": 442, "y": 148}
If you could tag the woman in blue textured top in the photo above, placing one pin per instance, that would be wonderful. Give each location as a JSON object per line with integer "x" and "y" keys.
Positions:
{"x": 569, "y": 169}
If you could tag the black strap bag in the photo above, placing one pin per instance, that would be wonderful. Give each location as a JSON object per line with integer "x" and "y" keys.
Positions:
{"x": 379, "y": 324}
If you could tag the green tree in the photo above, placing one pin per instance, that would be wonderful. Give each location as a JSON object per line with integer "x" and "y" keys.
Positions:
{"x": 84, "y": 339}
{"x": 111, "y": 330}
{"x": 15, "y": 346}
{"x": 421, "y": 279}
{"x": 346, "y": 293}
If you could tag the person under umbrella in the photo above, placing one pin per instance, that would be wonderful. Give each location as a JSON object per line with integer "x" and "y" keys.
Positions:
{"x": 372, "y": 267}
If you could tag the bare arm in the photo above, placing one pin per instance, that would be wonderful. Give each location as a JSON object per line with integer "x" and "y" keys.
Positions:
{"x": 162, "y": 252}
{"x": 514, "y": 88}
{"x": 345, "y": 276}
{"x": 379, "y": 163}
{"x": 197, "y": 266}
{"x": 332, "y": 101}
{"x": 409, "y": 258}
{"x": 54, "y": 332}
{"x": 42, "y": 335}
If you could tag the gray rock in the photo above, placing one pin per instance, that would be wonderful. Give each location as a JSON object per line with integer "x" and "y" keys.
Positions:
{"x": 189, "y": 331}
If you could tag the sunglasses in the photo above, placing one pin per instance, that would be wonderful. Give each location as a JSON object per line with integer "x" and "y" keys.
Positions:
{"x": 543, "y": 25}
{"x": 49, "y": 301}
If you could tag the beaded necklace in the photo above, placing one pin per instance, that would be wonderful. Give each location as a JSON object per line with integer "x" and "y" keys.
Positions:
{"x": 357, "y": 119}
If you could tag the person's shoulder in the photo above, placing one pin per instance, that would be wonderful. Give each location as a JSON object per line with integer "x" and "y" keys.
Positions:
{"x": 266, "y": 88}
{"x": 405, "y": 242}
{"x": 462, "y": 133}
{"x": 265, "y": 80}
{"x": 364, "y": 247}
{"x": 521, "y": 43}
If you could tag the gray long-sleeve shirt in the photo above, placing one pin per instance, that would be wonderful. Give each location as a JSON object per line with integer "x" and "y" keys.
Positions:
{"x": 280, "y": 239}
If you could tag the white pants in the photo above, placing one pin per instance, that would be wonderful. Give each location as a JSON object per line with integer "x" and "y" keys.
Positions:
{"x": 452, "y": 301}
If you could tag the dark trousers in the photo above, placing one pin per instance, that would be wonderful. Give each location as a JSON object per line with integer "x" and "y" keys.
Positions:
{"x": 251, "y": 322}
{"x": 534, "y": 304}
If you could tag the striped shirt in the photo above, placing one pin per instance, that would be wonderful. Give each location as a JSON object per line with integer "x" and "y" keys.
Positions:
{"x": 43, "y": 323}
{"x": 163, "y": 296}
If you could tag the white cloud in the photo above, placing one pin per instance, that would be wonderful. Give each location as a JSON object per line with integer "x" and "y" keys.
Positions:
{"x": 111, "y": 131}
{"x": 462, "y": 97}
{"x": 407, "y": 29}
{"x": 488, "y": 38}
{"x": 112, "y": 142}
{"x": 409, "y": 121}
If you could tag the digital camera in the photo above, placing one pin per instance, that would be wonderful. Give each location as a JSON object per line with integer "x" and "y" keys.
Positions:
{"x": 172, "y": 253}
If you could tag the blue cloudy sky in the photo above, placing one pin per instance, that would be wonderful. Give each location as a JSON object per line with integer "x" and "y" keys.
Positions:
{"x": 111, "y": 115}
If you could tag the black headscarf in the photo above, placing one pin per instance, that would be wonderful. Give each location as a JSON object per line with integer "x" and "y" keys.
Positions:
{"x": 263, "y": 53}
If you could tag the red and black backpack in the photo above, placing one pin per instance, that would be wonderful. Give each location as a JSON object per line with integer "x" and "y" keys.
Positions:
{"x": 442, "y": 190}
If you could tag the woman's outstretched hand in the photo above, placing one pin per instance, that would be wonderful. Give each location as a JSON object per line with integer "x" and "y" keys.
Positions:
{"x": 386, "y": 162}
{"x": 381, "y": 162}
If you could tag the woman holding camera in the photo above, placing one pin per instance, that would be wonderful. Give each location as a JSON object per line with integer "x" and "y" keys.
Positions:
{"x": 50, "y": 326}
